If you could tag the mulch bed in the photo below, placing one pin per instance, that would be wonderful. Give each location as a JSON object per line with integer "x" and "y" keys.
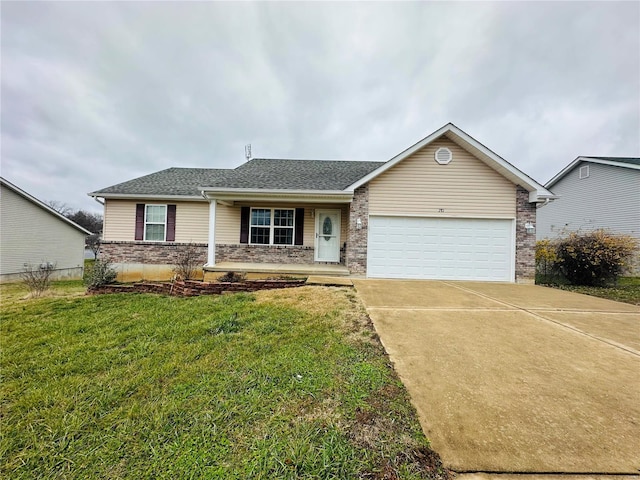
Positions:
{"x": 193, "y": 288}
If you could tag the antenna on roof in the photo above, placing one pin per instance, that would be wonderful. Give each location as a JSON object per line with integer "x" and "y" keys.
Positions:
{"x": 247, "y": 151}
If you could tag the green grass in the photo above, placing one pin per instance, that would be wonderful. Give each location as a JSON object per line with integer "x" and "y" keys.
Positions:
{"x": 627, "y": 290}
{"x": 286, "y": 384}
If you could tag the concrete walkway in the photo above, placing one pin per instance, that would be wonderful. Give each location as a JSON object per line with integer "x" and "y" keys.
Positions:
{"x": 515, "y": 378}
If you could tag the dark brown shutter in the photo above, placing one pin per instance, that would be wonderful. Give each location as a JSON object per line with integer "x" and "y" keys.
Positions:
{"x": 140, "y": 221}
{"x": 299, "y": 234}
{"x": 244, "y": 224}
{"x": 171, "y": 223}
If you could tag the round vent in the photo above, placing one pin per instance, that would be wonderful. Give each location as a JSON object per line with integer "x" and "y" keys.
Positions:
{"x": 443, "y": 156}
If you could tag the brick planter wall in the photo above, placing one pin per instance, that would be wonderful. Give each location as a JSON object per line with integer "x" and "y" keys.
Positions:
{"x": 193, "y": 289}
{"x": 264, "y": 254}
{"x": 525, "y": 242}
{"x": 356, "y": 254}
{"x": 149, "y": 253}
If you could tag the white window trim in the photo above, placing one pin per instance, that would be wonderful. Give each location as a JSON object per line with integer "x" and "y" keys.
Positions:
{"x": 272, "y": 227}
{"x": 584, "y": 168}
{"x": 166, "y": 212}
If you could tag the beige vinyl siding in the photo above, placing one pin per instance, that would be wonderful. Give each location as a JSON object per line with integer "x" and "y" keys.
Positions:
{"x": 192, "y": 220}
{"x": 32, "y": 235}
{"x": 419, "y": 186}
{"x": 228, "y": 221}
{"x": 119, "y": 224}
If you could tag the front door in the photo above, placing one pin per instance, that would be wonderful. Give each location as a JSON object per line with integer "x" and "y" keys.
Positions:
{"x": 327, "y": 236}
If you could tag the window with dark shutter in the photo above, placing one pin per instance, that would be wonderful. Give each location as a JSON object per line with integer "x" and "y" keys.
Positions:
{"x": 171, "y": 223}
{"x": 139, "y": 233}
{"x": 299, "y": 236}
{"x": 245, "y": 213}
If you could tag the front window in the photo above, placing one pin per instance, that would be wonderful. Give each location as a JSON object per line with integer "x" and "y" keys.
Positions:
{"x": 155, "y": 223}
{"x": 272, "y": 226}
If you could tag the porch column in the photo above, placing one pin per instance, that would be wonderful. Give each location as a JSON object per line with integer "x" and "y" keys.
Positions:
{"x": 211, "y": 252}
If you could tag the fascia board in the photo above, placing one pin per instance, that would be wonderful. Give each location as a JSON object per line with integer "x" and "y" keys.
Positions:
{"x": 279, "y": 195}
{"x": 212, "y": 191}
{"x": 140, "y": 196}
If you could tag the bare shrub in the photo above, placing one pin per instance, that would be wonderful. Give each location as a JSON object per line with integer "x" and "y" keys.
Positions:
{"x": 37, "y": 278}
{"x": 187, "y": 263}
{"x": 102, "y": 273}
{"x": 232, "y": 277}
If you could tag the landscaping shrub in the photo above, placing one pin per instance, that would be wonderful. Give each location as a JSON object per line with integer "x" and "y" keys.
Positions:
{"x": 102, "y": 273}
{"x": 594, "y": 258}
{"x": 232, "y": 277}
{"x": 37, "y": 278}
{"x": 187, "y": 263}
{"x": 546, "y": 261}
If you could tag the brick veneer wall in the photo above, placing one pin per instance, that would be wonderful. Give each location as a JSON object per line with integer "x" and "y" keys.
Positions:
{"x": 264, "y": 253}
{"x": 525, "y": 242}
{"x": 149, "y": 253}
{"x": 167, "y": 253}
{"x": 356, "y": 254}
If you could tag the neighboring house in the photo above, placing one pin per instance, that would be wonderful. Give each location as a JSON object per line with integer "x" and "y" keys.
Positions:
{"x": 445, "y": 208}
{"x": 33, "y": 234}
{"x": 594, "y": 193}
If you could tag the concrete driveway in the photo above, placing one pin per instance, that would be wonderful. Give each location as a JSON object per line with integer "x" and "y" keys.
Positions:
{"x": 515, "y": 378}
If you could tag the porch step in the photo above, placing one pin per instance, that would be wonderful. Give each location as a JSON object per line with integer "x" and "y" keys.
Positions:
{"x": 330, "y": 281}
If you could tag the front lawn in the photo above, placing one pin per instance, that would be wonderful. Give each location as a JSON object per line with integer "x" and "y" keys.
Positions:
{"x": 277, "y": 384}
{"x": 627, "y": 290}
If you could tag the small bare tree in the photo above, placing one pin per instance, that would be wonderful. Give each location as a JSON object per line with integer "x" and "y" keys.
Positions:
{"x": 187, "y": 263}
{"x": 93, "y": 242}
{"x": 37, "y": 278}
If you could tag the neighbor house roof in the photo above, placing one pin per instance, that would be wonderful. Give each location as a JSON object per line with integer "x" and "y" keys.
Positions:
{"x": 6, "y": 183}
{"x": 624, "y": 162}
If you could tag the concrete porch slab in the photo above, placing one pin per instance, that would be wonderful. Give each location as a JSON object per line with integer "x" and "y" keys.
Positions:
{"x": 280, "y": 268}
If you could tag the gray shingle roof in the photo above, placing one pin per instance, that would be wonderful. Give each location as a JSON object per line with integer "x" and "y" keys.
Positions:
{"x": 278, "y": 174}
{"x": 172, "y": 181}
{"x": 630, "y": 160}
{"x": 259, "y": 173}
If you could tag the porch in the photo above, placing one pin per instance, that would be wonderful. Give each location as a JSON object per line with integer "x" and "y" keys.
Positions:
{"x": 274, "y": 269}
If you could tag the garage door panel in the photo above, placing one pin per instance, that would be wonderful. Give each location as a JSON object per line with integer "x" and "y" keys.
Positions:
{"x": 440, "y": 248}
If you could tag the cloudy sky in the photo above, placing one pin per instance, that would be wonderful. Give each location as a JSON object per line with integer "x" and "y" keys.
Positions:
{"x": 94, "y": 94}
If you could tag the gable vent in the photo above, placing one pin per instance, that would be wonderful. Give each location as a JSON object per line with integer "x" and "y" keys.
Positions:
{"x": 443, "y": 156}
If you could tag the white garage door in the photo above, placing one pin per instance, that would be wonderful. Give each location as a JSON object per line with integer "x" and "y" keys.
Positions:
{"x": 440, "y": 248}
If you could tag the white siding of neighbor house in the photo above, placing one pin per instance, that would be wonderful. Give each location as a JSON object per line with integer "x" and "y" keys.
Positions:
{"x": 192, "y": 220}
{"x": 228, "y": 221}
{"x": 608, "y": 198}
{"x": 419, "y": 186}
{"x": 29, "y": 234}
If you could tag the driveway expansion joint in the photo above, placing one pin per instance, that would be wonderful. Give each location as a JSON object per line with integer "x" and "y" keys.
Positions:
{"x": 533, "y": 312}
